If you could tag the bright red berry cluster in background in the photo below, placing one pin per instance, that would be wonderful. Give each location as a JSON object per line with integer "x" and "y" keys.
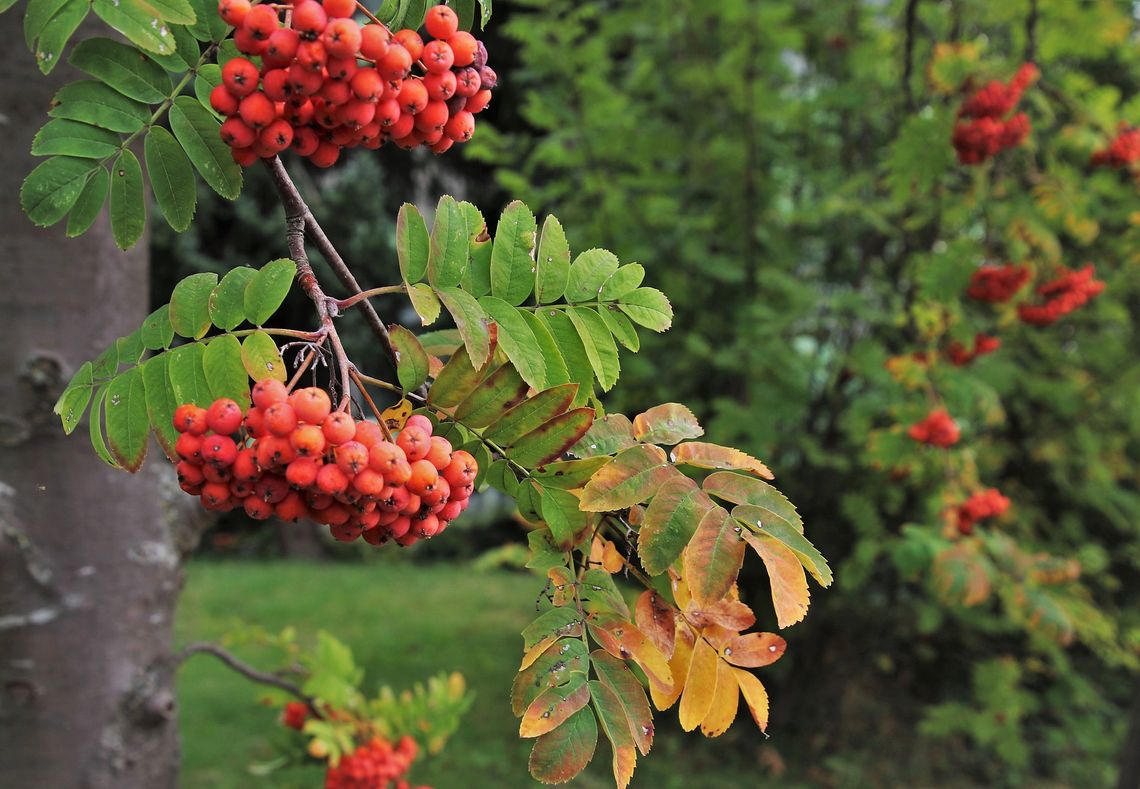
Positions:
{"x": 960, "y": 355}
{"x": 294, "y": 457}
{"x": 375, "y": 765}
{"x": 325, "y": 82}
{"x": 986, "y": 131}
{"x": 937, "y": 430}
{"x": 981, "y": 505}
{"x": 1121, "y": 152}
{"x": 1069, "y": 291}
{"x": 295, "y": 714}
{"x": 997, "y": 284}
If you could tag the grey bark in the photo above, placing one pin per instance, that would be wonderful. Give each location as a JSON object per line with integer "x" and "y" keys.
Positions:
{"x": 89, "y": 562}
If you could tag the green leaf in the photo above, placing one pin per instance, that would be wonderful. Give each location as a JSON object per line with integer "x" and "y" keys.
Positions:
{"x": 571, "y": 349}
{"x": 620, "y": 326}
{"x": 225, "y": 370}
{"x": 669, "y": 523}
{"x": 447, "y": 258}
{"x": 559, "y": 509}
{"x": 503, "y": 389}
{"x": 471, "y": 322}
{"x": 666, "y": 424}
{"x": 138, "y": 20}
{"x": 107, "y": 362}
{"x": 617, "y": 731}
{"x": 185, "y": 54}
{"x": 424, "y": 302}
{"x": 552, "y": 625}
{"x": 208, "y": 77}
{"x": 157, "y": 331}
{"x": 72, "y": 402}
{"x": 130, "y": 348}
{"x": 180, "y": 12}
{"x": 622, "y": 282}
{"x": 741, "y": 489}
{"x": 563, "y": 753}
{"x": 123, "y": 67}
{"x": 512, "y": 254}
{"x": 190, "y": 305}
{"x": 128, "y": 202}
{"x": 53, "y": 188}
{"x": 442, "y": 342}
{"x": 127, "y": 422}
{"x": 197, "y": 131}
{"x": 530, "y": 414}
{"x": 267, "y": 289}
{"x": 411, "y": 359}
{"x": 208, "y": 26}
{"x": 599, "y": 345}
{"x": 554, "y": 437}
{"x": 90, "y": 202}
{"x": 552, "y": 263}
{"x": 465, "y": 10}
{"x": 160, "y": 402}
{"x": 477, "y": 277}
{"x": 568, "y": 474}
{"x": 809, "y": 556}
{"x": 227, "y": 299}
{"x": 588, "y": 273}
{"x": 188, "y": 376}
{"x": 553, "y": 668}
{"x": 502, "y": 477}
{"x": 95, "y": 428}
{"x": 261, "y": 358}
{"x": 616, "y": 676}
{"x": 517, "y": 340}
{"x": 648, "y": 307}
{"x": 714, "y": 556}
{"x": 71, "y": 138}
{"x": 93, "y": 102}
{"x": 49, "y": 25}
{"x": 412, "y": 243}
{"x": 556, "y": 372}
{"x": 634, "y": 476}
{"x": 455, "y": 381}
{"x": 171, "y": 178}
{"x": 485, "y": 13}
{"x": 609, "y": 435}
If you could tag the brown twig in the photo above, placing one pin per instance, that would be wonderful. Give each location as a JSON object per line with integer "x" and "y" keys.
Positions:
{"x": 910, "y": 20}
{"x": 246, "y": 670}
{"x": 1031, "y": 32}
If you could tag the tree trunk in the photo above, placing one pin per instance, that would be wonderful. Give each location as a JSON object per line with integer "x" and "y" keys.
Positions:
{"x": 89, "y": 566}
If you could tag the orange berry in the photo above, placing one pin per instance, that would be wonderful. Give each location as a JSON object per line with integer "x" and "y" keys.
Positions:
{"x": 338, "y": 427}
{"x": 352, "y": 457}
{"x": 424, "y": 475}
{"x": 280, "y": 419}
{"x": 439, "y": 452}
{"x": 274, "y": 452}
{"x": 441, "y": 22}
{"x": 308, "y": 441}
{"x": 268, "y": 392}
{"x": 311, "y": 404}
{"x": 331, "y": 480}
{"x": 302, "y": 472}
{"x": 411, "y": 41}
{"x": 190, "y": 418}
{"x": 415, "y": 442}
{"x": 464, "y": 46}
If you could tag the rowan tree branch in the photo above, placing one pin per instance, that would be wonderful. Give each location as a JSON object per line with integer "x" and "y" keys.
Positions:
{"x": 910, "y": 21}
{"x": 246, "y": 670}
{"x": 1031, "y": 32}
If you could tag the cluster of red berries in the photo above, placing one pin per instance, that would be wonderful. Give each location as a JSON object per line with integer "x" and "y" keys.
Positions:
{"x": 997, "y": 284}
{"x": 325, "y": 82}
{"x": 984, "y": 504}
{"x": 987, "y": 131}
{"x": 1121, "y": 152}
{"x": 937, "y": 430}
{"x": 294, "y": 457}
{"x": 1068, "y": 292}
{"x": 960, "y": 355}
{"x": 374, "y": 765}
{"x": 295, "y": 714}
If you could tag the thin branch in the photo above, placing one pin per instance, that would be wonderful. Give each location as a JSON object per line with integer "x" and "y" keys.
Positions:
{"x": 910, "y": 21}
{"x": 1031, "y": 32}
{"x": 352, "y": 301}
{"x": 246, "y": 670}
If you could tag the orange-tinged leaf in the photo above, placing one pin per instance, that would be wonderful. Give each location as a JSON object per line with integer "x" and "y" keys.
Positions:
{"x": 732, "y": 614}
{"x": 754, "y": 696}
{"x": 670, "y": 520}
{"x": 623, "y": 640}
{"x": 530, "y": 414}
{"x": 742, "y": 489}
{"x": 563, "y": 753}
{"x": 666, "y": 424}
{"x": 713, "y": 557}
{"x": 634, "y": 476}
{"x": 552, "y": 625}
{"x": 657, "y": 619}
{"x": 498, "y": 392}
{"x": 681, "y": 594}
{"x": 700, "y": 686}
{"x": 615, "y": 674}
{"x": 790, "y": 535}
{"x": 789, "y": 581}
{"x": 562, "y": 585}
{"x": 548, "y": 441}
{"x": 704, "y": 455}
{"x": 553, "y": 706}
{"x": 753, "y": 650}
{"x": 554, "y": 667}
{"x": 617, "y": 731}
{"x": 725, "y": 701}
{"x": 665, "y": 697}
{"x": 607, "y": 436}
{"x": 612, "y": 560}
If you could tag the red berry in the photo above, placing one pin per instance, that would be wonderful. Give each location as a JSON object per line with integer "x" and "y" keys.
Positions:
{"x": 309, "y": 19}
{"x": 257, "y": 110}
{"x": 224, "y": 416}
{"x": 240, "y": 77}
{"x": 463, "y": 45}
{"x": 374, "y": 41}
{"x": 339, "y": 8}
{"x": 291, "y": 508}
{"x": 368, "y": 433}
{"x": 367, "y": 84}
{"x": 439, "y": 452}
{"x": 215, "y": 494}
{"x": 302, "y": 472}
{"x": 276, "y": 84}
{"x": 280, "y": 419}
{"x": 308, "y": 441}
{"x": 352, "y": 457}
{"x": 219, "y": 451}
{"x": 277, "y": 136}
{"x": 257, "y": 509}
{"x": 341, "y": 68}
{"x": 268, "y": 392}
{"x": 312, "y": 55}
{"x": 325, "y": 155}
{"x": 440, "y": 87}
{"x": 413, "y": 96}
{"x": 223, "y": 101}
{"x": 420, "y": 421}
{"x": 233, "y": 12}
{"x": 281, "y": 46}
{"x": 356, "y": 114}
{"x": 245, "y": 465}
{"x": 189, "y": 418}
{"x": 331, "y": 479}
{"x": 247, "y": 43}
{"x": 424, "y": 475}
{"x": 369, "y": 483}
{"x": 305, "y": 82}
{"x": 433, "y": 116}
{"x": 274, "y": 452}
{"x": 478, "y": 102}
{"x": 441, "y": 22}
{"x": 460, "y": 126}
{"x": 338, "y": 427}
{"x": 312, "y": 404}
{"x": 236, "y": 134}
{"x": 260, "y": 22}
{"x": 271, "y": 488}
{"x": 411, "y": 41}
{"x": 438, "y": 57}
{"x": 396, "y": 63}
{"x": 342, "y": 38}
{"x": 305, "y": 141}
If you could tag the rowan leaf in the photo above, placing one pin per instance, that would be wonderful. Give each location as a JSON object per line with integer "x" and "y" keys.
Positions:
{"x": 588, "y": 273}
{"x": 190, "y": 305}
{"x": 227, "y": 300}
{"x": 657, "y": 619}
{"x": 705, "y": 455}
{"x": 139, "y": 21}
{"x": 552, "y": 262}
{"x": 500, "y": 391}
{"x": 160, "y": 403}
{"x": 196, "y": 129}
{"x": 615, "y": 674}
{"x": 225, "y": 370}
{"x": 549, "y": 627}
{"x": 91, "y": 101}
{"x": 700, "y": 686}
{"x": 517, "y": 340}
{"x": 455, "y": 381}
{"x": 51, "y": 189}
{"x": 128, "y": 425}
{"x": 623, "y": 640}
{"x": 665, "y": 696}
{"x": 49, "y": 25}
{"x": 555, "y": 705}
{"x": 622, "y": 282}
{"x": 425, "y": 303}
{"x": 512, "y": 254}
{"x": 725, "y": 701}
{"x": 471, "y": 322}
{"x": 553, "y": 667}
{"x": 73, "y": 401}
{"x": 790, "y": 595}
{"x": 267, "y": 289}
{"x": 187, "y": 376}
{"x": 569, "y": 474}
{"x": 530, "y": 414}
{"x": 570, "y": 349}
{"x": 447, "y": 256}
{"x": 670, "y": 521}
{"x": 754, "y": 696}
{"x": 559, "y": 510}
{"x": 413, "y": 246}
{"x": 95, "y": 427}
{"x": 616, "y": 728}
{"x": 62, "y": 137}
{"x": 754, "y": 650}
{"x": 171, "y": 178}
{"x": 123, "y": 68}
{"x": 611, "y": 434}
{"x": 635, "y": 475}
{"x": 778, "y": 528}
{"x": 551, "y": 439}
{"x": 714, "y": 555}
{"x": 262, "y": 359}
{"x": 90, "y": 202}
{"x": 411, "y": 359}
{"x": 599, "y": 345}
{"x": 741, "y": 489}
{"x": 127, "y": 206}
{"x": 648, "y": 307}
{"x": 563, "y": 753}
{"x": 619, "y": 326}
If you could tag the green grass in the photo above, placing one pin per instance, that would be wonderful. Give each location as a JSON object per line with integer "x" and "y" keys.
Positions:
{"x": 404, "y": 623}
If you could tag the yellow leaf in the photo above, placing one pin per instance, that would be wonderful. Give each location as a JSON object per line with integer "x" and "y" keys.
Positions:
{"x": 754, "y": 696}
{"x": 700, "y": 686}
{"x": 725, "y": 701}
{"x": 657, "y": 619}
{"x": 665, "y": 696}
{"x": 789, "y": 581}
{"x": 395, "y": 416}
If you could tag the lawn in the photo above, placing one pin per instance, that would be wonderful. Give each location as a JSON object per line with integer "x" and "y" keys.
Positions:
{"x": 404, "y": 622}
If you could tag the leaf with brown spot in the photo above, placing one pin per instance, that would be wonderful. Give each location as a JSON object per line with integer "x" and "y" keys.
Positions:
{"x": 562, "y": 584}
{"x": 552, "y": 625}
{"x": 732, "y": 614}
{"x": 634, "y": 476}
{"x": 666, "y": 424}
{"x": 726, "y": 700}
{"x": 623, "y": 640}
{"x": 531, "y": 414}
{"x": 790, "y": 595}
{"x": 754, "y": 696}
{"x": 563, "y": 753}
{"x": 548, "y": 441}
{"x": 665, "y": 696}
{"x": 615, "y": 674}
{"x": 617, "y": 731}
{"x": 396, "y": 415}
{"x": 670, "y": 520}
{"x": 569, "y": 474}
{"x": 657, "y": 619}
{"x": 553, "y": 706}
{"x": 552, "y": 668}
{"x": 700, "y": 686}
{"x": 704, "y": 455}
{"x": 714, "y": 556}
{"x": 609, "y": 435}
{"x": 500, "y": 391}
{"x": 754, "y": 650}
